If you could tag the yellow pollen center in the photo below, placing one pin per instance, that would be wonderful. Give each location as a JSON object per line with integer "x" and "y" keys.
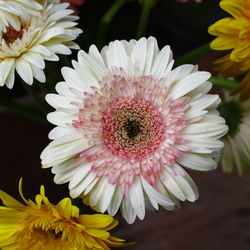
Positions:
{"x": 52, "y": 238}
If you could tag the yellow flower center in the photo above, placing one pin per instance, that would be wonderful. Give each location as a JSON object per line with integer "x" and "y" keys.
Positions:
{"x": 39, "y": 235}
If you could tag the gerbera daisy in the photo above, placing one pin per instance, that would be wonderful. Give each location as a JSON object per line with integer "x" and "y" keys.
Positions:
{"x": 236, "y": 151}
{"x": 11, "y": 10}
{"x": 126, "y": 123}
{"x": 41, "y": 225}
{"x": 39, "y": 38}
{"x": 233, "y": 34}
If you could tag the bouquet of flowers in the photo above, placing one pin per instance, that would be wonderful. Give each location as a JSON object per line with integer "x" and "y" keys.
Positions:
{"x": 129, "y": 121}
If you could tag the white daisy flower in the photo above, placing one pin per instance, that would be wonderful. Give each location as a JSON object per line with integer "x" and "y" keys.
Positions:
{"x": 236, "y": 152}
{"x": 127, "y": 123}
{"x": 40, "y": 38}
{"x": 11, "y": 10}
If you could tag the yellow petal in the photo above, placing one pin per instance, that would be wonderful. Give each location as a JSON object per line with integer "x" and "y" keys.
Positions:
{"x": 224, "y": 42}
{"x": 96, "y": 220}
{"x": 233, "y": 7}
{"x": 227, "y": 67}
{"x": 20, "y": 188}
{"x": 39, "y": 200}
{"x": 223, "y": 27}
{"x": 10, "y": 202}
{"x": 117, "y": 242}
{"x": 239, "y": 23}
{"x": 91, "y": 242}
{"x": 75, "y": 211}
{"x": 98, "y": 233}
{"x": 6, "y": 240}
{"x": 112, "y": 225}
{"x": 64, "y": 207}
{"x": 241, "y": 52}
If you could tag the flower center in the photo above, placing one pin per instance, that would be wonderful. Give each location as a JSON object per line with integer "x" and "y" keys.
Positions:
{"x": 233, "y": 114}
{"x": 132, "y": 128}
{"x": 52, "y": 238}
{"x": 11, "y": 35}
{"x": 51, "y": 233}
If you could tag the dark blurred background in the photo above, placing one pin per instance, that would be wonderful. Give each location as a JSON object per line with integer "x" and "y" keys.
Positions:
{"x": 220, "y": 219}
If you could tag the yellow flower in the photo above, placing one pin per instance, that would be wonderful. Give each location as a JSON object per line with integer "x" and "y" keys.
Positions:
{"x": 41, "y": 225}
{"x": 233, "y": 33}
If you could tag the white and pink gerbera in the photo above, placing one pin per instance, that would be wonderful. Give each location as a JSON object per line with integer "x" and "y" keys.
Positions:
{"x": 127, "y": 124}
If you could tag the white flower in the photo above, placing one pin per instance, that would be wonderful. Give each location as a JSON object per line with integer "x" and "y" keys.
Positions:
{"x": 40, "y": 38}
{"x": 11, "y": 10}
{"x": 127, "y": 123}
{"x": 236, "y": 152}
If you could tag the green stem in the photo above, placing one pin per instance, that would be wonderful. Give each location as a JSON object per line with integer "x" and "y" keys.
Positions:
{"x": 194, "y": 55}
{"x": 36, "y": 98}
{"x": 107, "y": 19}
{"x": 147, "y": 5}
{"x": 22, "y": 110}
{"x": 224, "y": 82}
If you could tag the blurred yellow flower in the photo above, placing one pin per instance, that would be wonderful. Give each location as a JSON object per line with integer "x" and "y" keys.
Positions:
{"x": 233, "y": 33}
{"x": 41, "y": 225}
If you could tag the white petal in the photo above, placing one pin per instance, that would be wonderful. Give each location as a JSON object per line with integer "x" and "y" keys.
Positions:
{"x": 186, "y": 184}
{"x": 6, "y": 69}
{"x": 50, "y": 33}
{"x": 57, "y": 101}
{"x": 204, "y": 145}
{"x": 97, "y": 192}
{"x": 127, "y": 210}
{"x": 64, "y": 171}
{"x": 156, "y": 196}
{"x": 52, "y": 155}
{"x": 183, "y": 71}
{"x": 40, "y": 49}
{"x": 139, "y": 54}
{"x": 60, "y": 118}
{"x": 197, "y": 107}
{"x": 161, "y": 62}
{"x": 74, "y": 192}
{"x": 116, "y": 56}
{"x": 197, "y": 162}
{"x": 107, "y": 196}
{"x": 24, "y": 70}
{"x": 38, "y": 73}
{"x": 189, "y": 83}
{"x": 170, "y": 183}
{"x": 93, "y": 51}
{"x": 11, "y": 78}
{"x": 35, "y": 59}
{"x": 152, "y": 51}
{"x": 82, "y": 172}
{"x": 137, "y": 198}
{"x": 97, "y": 69}
{"x": 115, "y": 202}
{"x": 209, "y": 126}
{"x": 60, "y": 131}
